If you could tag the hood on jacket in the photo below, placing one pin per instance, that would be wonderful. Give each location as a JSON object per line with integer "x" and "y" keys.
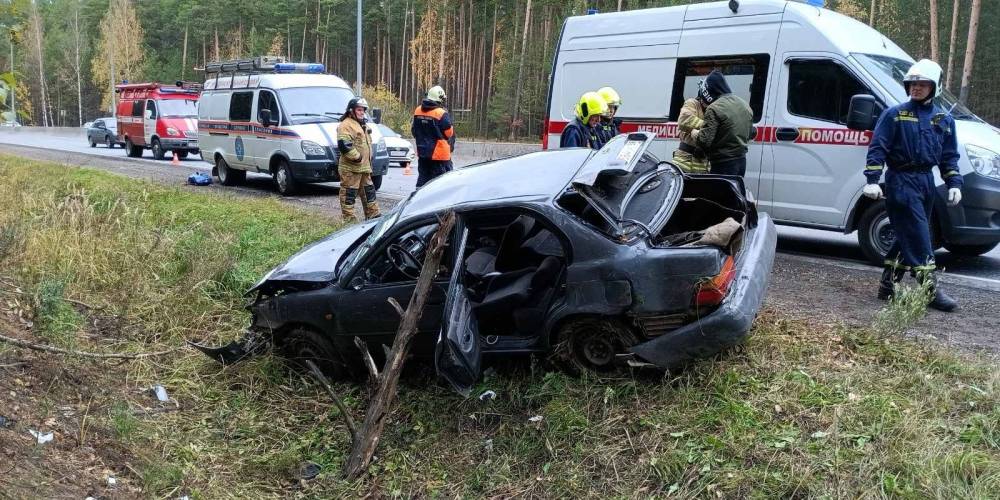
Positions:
{"x": 713, "y": 87}
{"x": 428, "y": 105}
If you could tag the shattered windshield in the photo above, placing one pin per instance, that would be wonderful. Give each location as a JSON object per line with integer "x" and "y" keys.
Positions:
{"x": 359, "y": 252}
{"x": 315, "y": 104}
{"x": 895, "y": 69}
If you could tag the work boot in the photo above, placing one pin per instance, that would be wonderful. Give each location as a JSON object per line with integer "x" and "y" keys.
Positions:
{"x": 940, "y": 301}
{"x": 887, "y": 285}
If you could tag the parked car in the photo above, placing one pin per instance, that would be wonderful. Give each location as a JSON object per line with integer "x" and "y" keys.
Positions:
{"x": 86, "y": 125}
{"x": 600, "y": 257}
{"x": 401, "y": 152}
{"x": 816, "y": 81}
{"x": 10, "y": 124}
{"x": 103, "y": 131}
{"x": 158, "y": 117}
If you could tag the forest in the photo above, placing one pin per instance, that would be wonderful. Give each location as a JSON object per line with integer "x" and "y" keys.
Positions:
{"x": 492, "y": 56}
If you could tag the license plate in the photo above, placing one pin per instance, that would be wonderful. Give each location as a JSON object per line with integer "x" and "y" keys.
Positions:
{"x": 397, "y": 153}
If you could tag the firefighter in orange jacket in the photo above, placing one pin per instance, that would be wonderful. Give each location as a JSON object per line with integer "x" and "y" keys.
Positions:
{"x": 434, "y": 135}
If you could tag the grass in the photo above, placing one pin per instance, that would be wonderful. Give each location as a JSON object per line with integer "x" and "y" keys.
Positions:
{"x": 801, "y": 410}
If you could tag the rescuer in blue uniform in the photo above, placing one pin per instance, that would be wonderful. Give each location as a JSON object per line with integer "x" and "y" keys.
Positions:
{"x": 910, "y": 139}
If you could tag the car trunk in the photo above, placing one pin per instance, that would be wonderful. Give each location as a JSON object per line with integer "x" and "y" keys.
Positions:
{"x": 700, "y": 216}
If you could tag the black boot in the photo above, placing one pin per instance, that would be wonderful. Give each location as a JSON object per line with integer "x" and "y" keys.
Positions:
{"x": 887, "y": 285}
{"x": 940, "y": 301}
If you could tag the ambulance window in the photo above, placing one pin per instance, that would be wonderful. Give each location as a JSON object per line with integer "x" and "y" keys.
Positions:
{"x": 266, "y": 100}
{"x": 240, "y": 106}
{"x": 151, "y": 107}
{"x": 746, "y": 75}
{"x": 137, "y": 107}
{"x": 821, "y": 90}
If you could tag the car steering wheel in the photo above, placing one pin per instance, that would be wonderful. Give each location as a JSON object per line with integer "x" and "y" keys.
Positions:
{"x": 404, "y": 261}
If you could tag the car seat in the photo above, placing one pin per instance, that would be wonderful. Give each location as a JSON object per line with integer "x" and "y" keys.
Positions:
{"x": 516, "y": 290}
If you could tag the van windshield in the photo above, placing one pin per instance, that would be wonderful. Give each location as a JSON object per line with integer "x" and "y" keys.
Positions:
{"x": 895, "y": 69}
{"x": 178, "y": 108}
{"x": 314, "y": 104}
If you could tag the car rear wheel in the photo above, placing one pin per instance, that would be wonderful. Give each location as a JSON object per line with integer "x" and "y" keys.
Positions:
{"x": 132, "y": 150}
{"x": 971, "y": 250}
{"x": 182, "y": 154}
{"x": 301, "y": 345}
{"x": 109, "y": 142}
{"x": 229, "y": 176}
{"x": 591, "y": 345}
{"x": 158, "y": 152}
{"x": 283, "y": 179}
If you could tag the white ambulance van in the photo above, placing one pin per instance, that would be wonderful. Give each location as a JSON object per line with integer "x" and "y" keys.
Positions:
{"x": 267, "y": 116}
{"x": 800, "y": 67}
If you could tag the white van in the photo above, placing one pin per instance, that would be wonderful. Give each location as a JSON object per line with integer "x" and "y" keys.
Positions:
{"x": 799, "y": 66}
{"x": 267, "y": 116}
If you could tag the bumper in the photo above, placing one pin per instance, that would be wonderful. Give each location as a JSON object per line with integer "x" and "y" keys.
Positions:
{"x": 314, "y": 170}
{"x": 380, "y": 164}
{"x": 179, "y": 144}
{"x": 730, "y": 323}
{"x": 976, "y": 221}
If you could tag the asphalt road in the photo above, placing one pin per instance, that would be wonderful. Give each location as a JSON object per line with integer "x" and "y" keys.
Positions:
{"x": 830, "y": 246}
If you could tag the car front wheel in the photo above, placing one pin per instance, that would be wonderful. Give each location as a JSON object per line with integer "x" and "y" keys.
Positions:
{"x": 158, "y": 152}
{"x": 283, "y": 179}
{"x": 301, "y": 345}
{"x": 109, "y": 142}
{"x": 591, "y": 345}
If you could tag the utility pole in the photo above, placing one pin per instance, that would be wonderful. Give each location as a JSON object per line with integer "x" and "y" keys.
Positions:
{"x": 13, "y": 91}
{"x": 358, "y": 69}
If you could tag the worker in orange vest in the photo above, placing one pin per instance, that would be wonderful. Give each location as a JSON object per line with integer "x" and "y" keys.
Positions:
{"x": 434, "y": 135}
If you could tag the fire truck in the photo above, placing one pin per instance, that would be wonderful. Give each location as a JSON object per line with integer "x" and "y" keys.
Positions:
{"x": 158, "y": 117}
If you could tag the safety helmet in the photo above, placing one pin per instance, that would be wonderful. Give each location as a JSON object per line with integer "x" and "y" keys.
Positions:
{"x": 610, "y": 96}
{"x": 591, "y": 104}
{"x": 436, "y": 94}
{"x": 356, "y": 102}
{"x": 924, "y": 70}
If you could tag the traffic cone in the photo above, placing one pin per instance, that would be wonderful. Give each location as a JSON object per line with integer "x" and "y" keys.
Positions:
{"x": 176, "y": 160}
{"x": 407, "y": 170}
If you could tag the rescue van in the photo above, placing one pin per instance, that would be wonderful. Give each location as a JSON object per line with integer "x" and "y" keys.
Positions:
{"x": 816, "y": 81}
{"x": 265, "y": 115}
{"x": 158, "y": 117}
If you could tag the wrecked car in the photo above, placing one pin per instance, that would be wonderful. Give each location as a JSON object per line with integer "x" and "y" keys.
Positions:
{"x": 601, "y": 258}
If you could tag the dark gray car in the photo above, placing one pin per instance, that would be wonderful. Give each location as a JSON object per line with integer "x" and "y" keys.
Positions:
{"x": 103, "y": 131}
{"x": 601, "y": 258}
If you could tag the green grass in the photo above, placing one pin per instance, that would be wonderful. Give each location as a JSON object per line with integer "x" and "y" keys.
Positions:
{"x": 801, "y": 410}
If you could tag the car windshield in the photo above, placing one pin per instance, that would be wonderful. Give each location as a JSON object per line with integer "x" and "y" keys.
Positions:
{"x": 359, "y": 252}
{"x": 895, "y": 69}
{"x": 388, "y": 132}
{"x": 314, "y": 104}
{"x": 178, "y": 108}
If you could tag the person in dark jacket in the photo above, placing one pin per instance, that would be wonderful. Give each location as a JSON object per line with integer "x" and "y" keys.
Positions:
{"x": 727, "y": 127}
{"x": 609, "y": 125}
{"x": 434, "y": 135}
{"x": 910, "y": 139}
{"x": 582, "y": 131}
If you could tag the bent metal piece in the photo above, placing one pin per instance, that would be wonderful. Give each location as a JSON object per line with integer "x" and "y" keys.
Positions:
{"x": 252, "y": 344}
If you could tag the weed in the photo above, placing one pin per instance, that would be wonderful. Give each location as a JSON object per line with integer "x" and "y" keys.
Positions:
{"x": 123, "y": 421}
{"x": 907, "y": 306}
{"x": 56, "y": 320}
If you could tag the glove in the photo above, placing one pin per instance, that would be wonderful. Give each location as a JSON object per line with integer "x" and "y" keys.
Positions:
{"x": 954, "y": 196}
{"x": 872, "y": 191}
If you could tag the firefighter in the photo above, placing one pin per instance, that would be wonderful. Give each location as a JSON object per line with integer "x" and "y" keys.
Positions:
{"x": 609, "y": 125}
{"x": 355, "y": 164}
{"x": 434, "y": 135}
{"x": 582, "y": 131}
{"x": 910, "y": 139}
{"x": 688, "y": 156}
{"x": 726, "y": 131}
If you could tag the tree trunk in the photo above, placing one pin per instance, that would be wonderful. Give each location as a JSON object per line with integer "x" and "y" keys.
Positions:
{"x": 970, "y": 52}
{"x": 305, "y": 28}
{"x": 934, "y": 31}
{"x": 444, "y": 32}
{"x": 951, "y": 46}
{"x": 217, "y": 58}
{"x": 319, "y": 18}
{"x": 520, "y": 70}
{"x": 184, "y": 54}
{"x": 36, "y": 19}
{"x": 493, "y": 53}
{"x": 871, "y": 14}
{"x": 402, "y": 57}
{"x": 76, "y": 65}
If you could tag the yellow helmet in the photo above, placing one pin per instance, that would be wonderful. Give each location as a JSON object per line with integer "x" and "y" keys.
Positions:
{"x": 591, "y": 104}
{"x": 610, "y": 96}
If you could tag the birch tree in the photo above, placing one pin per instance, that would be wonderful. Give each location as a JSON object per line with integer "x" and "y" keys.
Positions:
{"x": 934, "y": 31}
{"x": 119, "y": 55}
{"x": 33, "y": 38}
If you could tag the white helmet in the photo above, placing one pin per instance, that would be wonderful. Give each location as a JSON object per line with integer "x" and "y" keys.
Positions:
{"x": 924, "y": 70}
{"x": 436, "y": 94}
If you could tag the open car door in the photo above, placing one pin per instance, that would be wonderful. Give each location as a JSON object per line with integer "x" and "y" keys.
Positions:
{"x": 457, "y": 355}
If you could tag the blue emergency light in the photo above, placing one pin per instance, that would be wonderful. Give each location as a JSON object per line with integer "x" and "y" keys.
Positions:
{"x": 591, "y": 11}
{"x": 299, "y": 68}
{"x": 816, "y": 3}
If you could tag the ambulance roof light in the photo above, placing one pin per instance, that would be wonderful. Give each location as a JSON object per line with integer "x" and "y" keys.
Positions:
{"x": 299, "y": 68}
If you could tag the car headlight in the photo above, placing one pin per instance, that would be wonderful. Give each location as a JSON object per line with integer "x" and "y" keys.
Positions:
{"x": 380, "y": 146}
{"x": 984, "y": 162}
{"x": 310, "y": 148}
{"x": 172, "y": 131}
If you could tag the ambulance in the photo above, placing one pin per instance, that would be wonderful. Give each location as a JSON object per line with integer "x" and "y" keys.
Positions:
{"x": 158, "y": 117}
{"x": 816, "y": 81}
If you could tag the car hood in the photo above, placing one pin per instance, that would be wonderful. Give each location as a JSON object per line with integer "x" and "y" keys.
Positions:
{"x": 397, "y": 142}
{"x": 317, "y": 262}
{"x": 979, "y": 134}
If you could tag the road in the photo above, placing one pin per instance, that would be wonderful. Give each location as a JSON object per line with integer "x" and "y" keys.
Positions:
{"x": 796, "y": 241}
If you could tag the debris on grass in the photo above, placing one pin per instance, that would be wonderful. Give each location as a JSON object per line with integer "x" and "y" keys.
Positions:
{"x": 41, "y": 437}
{"x": 488, "y": 396}
{"x": 160, "y": 392}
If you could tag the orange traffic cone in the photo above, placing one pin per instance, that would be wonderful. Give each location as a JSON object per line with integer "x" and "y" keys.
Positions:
{"x": 176, "y": 160}
{"x": 407, "y": 170}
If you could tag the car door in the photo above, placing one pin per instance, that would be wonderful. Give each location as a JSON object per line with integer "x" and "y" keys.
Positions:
{"x": 457, "y": 354}
{"x": 818, "y": 162}
{"x": 96, "y": 131}
{"x": 264, "y": 140}
{"x": 240, "y": 129}
{"x": 149, "y": 121}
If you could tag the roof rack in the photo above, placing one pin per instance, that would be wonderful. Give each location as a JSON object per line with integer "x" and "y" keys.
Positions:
{"x": 257, "y": 65}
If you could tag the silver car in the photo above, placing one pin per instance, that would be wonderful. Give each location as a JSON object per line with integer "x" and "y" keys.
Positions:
{"x": 103, "y": 131}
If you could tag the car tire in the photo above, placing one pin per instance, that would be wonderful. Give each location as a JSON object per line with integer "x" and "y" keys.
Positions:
{"x": 109, "y": 142}
{"x": 971, "y": 250}
{"x": 158, "y": 152}
{"x": 182, "y": 154}
{"x": 589, "y": 345}
{"x": 229, "y": 176}
{"x": 875, "y": 234}
{"x": 93, "y": 144}
{"x": 132, "y": 150}
{"x": 300, "y": 345}
{"x": 283, "y": 179}
{"x": 377, "y": 181}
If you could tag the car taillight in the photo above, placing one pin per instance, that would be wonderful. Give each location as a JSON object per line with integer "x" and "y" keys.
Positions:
{"x": 712, "y": 291}
{"x": 545, "y": 134}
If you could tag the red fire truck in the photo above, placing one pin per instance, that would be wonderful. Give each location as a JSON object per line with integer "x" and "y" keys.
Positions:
{"x": 158, "y": 117}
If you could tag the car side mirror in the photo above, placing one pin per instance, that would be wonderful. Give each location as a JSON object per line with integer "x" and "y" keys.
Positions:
{"x": 265, "y": 117}
{"x": 863, "y": 112}
{"x": 377, "y": 115}
{"x": 356, "y": 283}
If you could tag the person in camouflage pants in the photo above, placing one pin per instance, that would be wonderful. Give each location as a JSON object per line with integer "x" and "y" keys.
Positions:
{"x": 355, "y": 165}
{"x": 687, "y": 156}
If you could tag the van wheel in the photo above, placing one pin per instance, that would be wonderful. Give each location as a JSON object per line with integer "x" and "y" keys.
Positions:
{"x": 132, "y": 150}
{"x": 591, "y": 345}
{"x": 971, "y": 250}
{"x": 300, "y": 345}
{"x": 875, "y": 233}
{"x": 182, "y": 154}
{"x": 377, "y": 181}
{"x": 283, "y": 179}
{"x": 158, "y": 152}
{"x": 229, "y": 176}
